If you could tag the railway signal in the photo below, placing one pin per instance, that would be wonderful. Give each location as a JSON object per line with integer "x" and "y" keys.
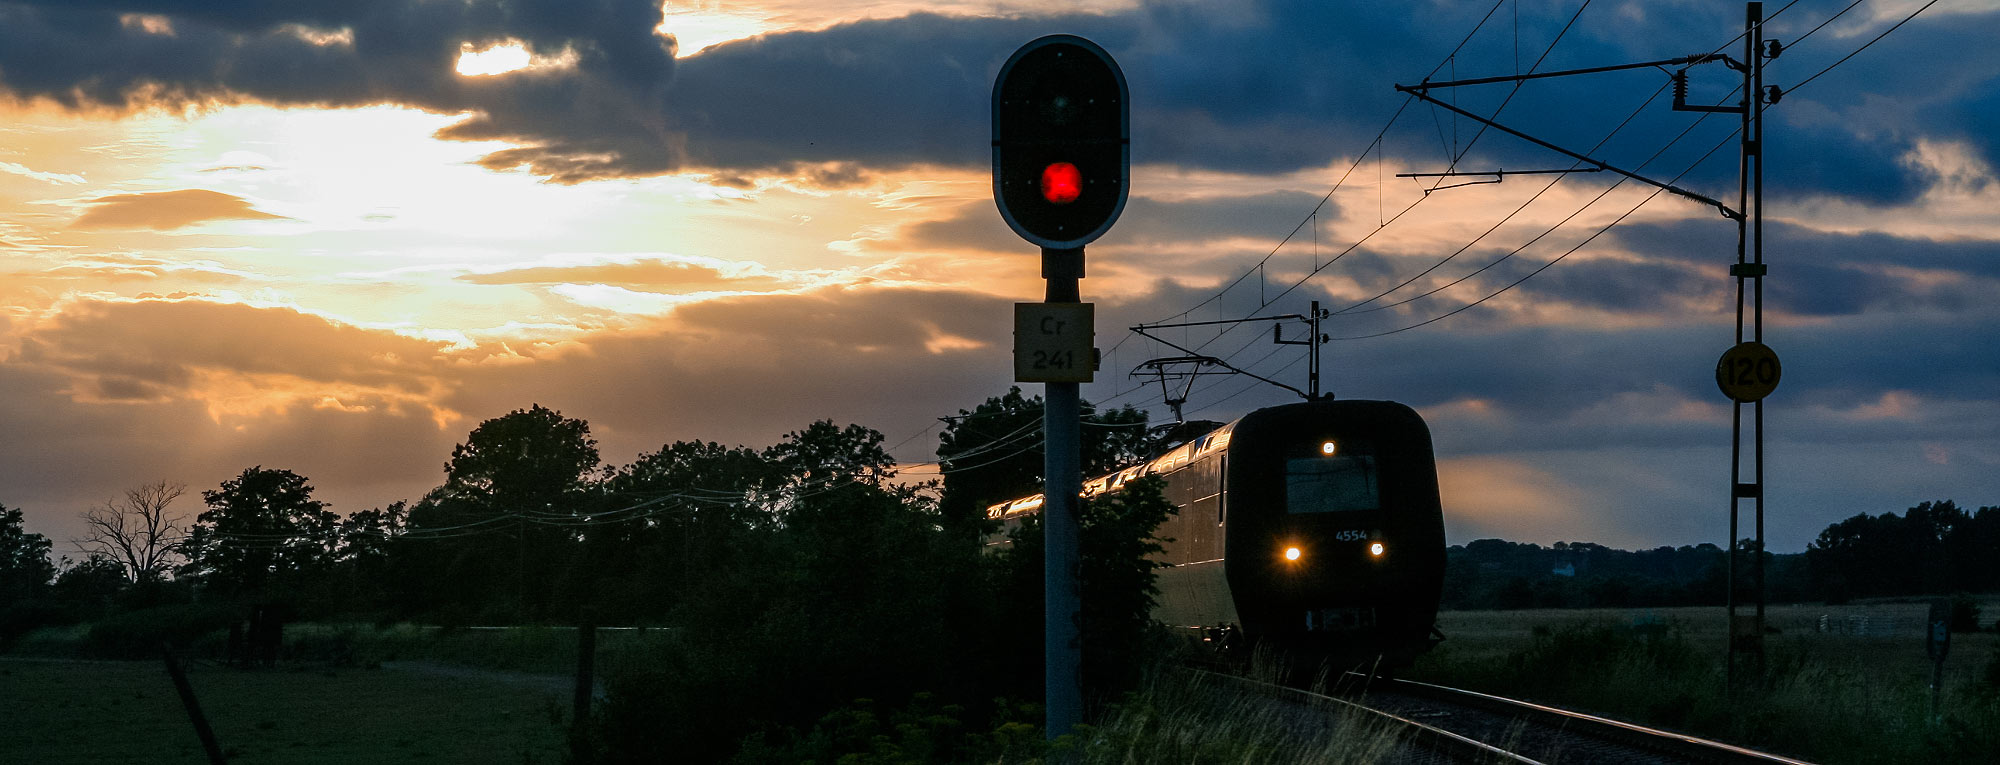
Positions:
{"x": 1061, "y": 163}
{"x": 1061, "y": 141}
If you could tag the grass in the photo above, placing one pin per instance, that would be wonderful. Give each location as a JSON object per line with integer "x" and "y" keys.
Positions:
{"x": 1834, "y": 696}
{"x": 75, "y": 711}
{"x": 1187, "y": 718}
{"x": 550, "y": 650}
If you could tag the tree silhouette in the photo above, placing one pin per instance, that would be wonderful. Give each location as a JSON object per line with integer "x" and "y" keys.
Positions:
{"x": 25, "y": 569}
{"x": 262, "y": 536}
{"x": 706, "y": 500}
{"x": 137, "y": 531}
{"x": 1932, "y": 548}
{"x": 506, "y": 516}
{"x": 523, "y": 461}
{"x": 994, "y": 452}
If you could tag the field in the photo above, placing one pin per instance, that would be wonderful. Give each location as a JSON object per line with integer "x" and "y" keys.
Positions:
{"x": 1843, "y": 683}
{"x": 76, "y": 711}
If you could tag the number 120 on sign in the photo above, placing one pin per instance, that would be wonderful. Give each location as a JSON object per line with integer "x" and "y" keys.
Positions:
{"x": 1748, "y": 372}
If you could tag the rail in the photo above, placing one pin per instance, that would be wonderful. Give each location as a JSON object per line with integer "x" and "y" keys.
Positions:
{"x": 1679, "y": 746}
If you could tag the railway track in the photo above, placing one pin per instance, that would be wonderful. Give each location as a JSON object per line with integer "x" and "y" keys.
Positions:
{"x": 1447, "y": 725}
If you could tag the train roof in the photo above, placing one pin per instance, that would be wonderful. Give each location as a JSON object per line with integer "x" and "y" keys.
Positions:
{"x": 1214, "y": 441}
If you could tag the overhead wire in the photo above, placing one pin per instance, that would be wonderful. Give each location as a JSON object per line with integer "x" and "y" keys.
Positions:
{"x": 1622, "y": 217}
{"x": 1351, "y": 309}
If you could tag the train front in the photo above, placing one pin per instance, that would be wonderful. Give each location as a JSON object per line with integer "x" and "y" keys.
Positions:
{"x": 1336, "y": 539}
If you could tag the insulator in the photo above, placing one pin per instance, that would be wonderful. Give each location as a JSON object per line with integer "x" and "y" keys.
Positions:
{"x": 1773, "y": 93}
{"x": 1681, "y": 86}
{"x": 1772, "y": 49}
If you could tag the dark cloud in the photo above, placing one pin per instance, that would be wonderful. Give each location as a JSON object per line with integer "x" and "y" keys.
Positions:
{"x": 1271, "y": 86}
{"x": 167, "y": 210}
{"x": 603, "y": 117}
{"x": 1817, "y": 273}
{"x": 1145, "y": 221}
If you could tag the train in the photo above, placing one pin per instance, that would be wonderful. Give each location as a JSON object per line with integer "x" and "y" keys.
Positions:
{"x": 1313, "y": 527}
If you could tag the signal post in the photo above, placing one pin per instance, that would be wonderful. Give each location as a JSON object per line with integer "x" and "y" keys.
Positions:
{"x": 1061, "y": 165}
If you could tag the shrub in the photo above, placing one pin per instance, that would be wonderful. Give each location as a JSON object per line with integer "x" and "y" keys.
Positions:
{"x": 139, "y": 634}
{"x": 1964, "y": 613}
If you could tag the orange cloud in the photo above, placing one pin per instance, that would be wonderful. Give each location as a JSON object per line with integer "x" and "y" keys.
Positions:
{"x": 655, "y": 275}
{"x": 236, "y": 359}
{"x": 167, "y": 210}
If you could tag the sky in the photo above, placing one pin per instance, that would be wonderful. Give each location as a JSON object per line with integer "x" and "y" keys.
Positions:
{"x": 333, "y": 236}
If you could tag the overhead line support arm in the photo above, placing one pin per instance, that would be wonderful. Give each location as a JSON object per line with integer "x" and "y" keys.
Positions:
{"x": 1419, "y": 92}
{"x": 1224, "y": 364}
{"x": 1682, "y": 61}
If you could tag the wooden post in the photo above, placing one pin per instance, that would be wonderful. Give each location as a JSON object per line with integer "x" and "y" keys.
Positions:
{"x": 586, "y": 660}
{"x": 193, "y": 706}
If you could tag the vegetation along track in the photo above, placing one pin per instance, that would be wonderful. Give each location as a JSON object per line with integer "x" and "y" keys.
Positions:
{"x": 1449, "y": 725}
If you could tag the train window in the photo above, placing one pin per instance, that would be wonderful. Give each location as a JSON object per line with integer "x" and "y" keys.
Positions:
{"x": 1331, "y": 484}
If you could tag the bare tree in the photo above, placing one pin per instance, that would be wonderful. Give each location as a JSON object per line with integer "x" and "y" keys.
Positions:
{"x": 137, "y": 531}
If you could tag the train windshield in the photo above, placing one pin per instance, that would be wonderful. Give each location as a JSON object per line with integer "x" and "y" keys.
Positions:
{"x": 1331, "y": 484}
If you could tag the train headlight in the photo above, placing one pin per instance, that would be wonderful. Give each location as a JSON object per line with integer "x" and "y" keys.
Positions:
{"x": 1293, "y": 553}
{"x": 1328, "y": 448}
{"x": 1376, "y": 549}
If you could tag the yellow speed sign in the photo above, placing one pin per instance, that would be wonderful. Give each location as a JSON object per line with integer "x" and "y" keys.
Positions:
{"x": 1748, "y": 372}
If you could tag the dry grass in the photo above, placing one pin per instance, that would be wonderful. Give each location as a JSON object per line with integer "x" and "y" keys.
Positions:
{"x": 1836, "y": 695}
{"x": 1187, "y": 718}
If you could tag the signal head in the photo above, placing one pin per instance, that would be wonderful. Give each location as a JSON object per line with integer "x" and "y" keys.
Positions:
{"x": 1061, "y": 154}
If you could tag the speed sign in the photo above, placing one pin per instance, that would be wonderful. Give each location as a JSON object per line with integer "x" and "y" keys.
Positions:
{"x": 1748, "y": 372}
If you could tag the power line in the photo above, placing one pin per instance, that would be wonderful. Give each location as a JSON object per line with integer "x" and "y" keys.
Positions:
{"x": 1621, "y": 218}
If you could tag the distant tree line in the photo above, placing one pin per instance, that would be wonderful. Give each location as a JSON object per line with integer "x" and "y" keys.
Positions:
{"x": 1934, "y": 548}
{"x": 789, "y": 580}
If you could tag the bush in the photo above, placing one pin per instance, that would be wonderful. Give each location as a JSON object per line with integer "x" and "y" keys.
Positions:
{"x": 139, "y": 634}
{"x": 1964, "y": 613}
{"x": 23, "y": 617}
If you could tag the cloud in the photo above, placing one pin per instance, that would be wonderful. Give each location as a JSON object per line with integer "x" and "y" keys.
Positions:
{"x": 236, "y": 359}
{"x": 600, "y": 117}
{"x": 646, "y": 275}
{"x": 1821, "y": 273}
{"x": 1262, "y": 87}
{"x": 1544, "y": 430}
{"x": 1146, "y": 221}
{"x": 167, "y": 210}
{"x": 24, "y": 171}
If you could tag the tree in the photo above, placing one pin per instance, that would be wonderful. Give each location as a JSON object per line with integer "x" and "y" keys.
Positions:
{"x": 524, "y": 460}
{"x": 826, "y": 457}
{"x": 703, "y": 502}
{"x": 994, "y": 452}
{"x": 1117, "y": 582}
{"x": 1932, "y": 548}
{"x": 513, "y": 501}
{"x": 136, "y": 531}
{"x": 25, "y": 569}
{"x": 90, "y": 584}
{"x": 262, "y": 536}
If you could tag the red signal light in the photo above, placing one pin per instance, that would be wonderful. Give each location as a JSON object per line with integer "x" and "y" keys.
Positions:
{"x": 1062, "y": 183}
